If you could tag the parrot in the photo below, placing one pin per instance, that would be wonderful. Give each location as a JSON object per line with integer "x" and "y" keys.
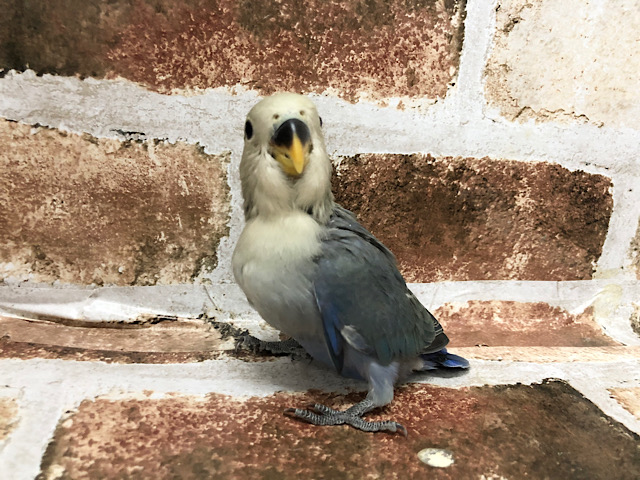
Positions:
{"x": 318, "y": 276}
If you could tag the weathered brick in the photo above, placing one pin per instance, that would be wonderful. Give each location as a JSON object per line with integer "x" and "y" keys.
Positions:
{"x": 505, "y": 323}
{"x": 374, "y": 48}
{"x": 635, "y": 318}
{"x": 629, "y": 398}
{"x": 8, "y": 417}
{"x": 567, "y": 60}
{"x": 83, "y": 210}
{"x": 513, "y": 431}
{"x": 635, "y": 252}
{"x": 151, "y": 340}
{"x": 479, "y": 219}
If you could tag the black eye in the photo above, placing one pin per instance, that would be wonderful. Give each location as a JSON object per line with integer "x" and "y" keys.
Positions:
{"x": 248, "y": 130}
{"x": 320, "y": 120}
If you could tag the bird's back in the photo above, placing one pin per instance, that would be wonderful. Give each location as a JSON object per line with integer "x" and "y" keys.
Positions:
{"x": 364, "y": 301}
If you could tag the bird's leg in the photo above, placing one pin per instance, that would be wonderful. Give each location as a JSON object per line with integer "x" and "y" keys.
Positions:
{"x": 284, "y": 347}
{"x": 322, "y": 415}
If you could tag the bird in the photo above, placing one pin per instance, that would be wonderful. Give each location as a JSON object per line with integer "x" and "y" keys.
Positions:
{"x": 314, "y": 273}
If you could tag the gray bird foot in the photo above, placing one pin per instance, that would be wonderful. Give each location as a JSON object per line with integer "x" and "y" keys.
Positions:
{"x": 321, "y": 415}
{"x": 285, "y": 347}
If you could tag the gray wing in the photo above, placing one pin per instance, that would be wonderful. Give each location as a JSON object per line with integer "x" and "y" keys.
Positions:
{"x": 363, "y": 299}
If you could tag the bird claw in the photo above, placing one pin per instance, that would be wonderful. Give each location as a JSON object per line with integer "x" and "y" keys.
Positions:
{"x": 278, "y": 348}
{"x": 321, "y": 415}
{"x": 248, "y": 342}
{"x": 402, "y": 430}
{"x": 290, "y": 412}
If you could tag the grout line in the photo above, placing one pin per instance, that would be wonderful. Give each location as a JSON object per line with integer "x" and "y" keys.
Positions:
{"x": 239, "y": 378}
{"x": 615, "y": 259}
{"x": 215, "y": 118}
{"x": 40, "y": 409}
{"x": 223, "y": 272}
{"x": 468, "y": 94}
{"x": 187, "y": 299}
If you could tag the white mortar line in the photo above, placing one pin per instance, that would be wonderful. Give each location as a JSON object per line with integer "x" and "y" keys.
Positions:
{"x": 468, "y": 93}
{"x": 40, "y": 409}
{"x": 216, "y": 117}
{"x": 241, "y": 379}
{"x": 616, "y": 260}
{"x": 223, "y": 272}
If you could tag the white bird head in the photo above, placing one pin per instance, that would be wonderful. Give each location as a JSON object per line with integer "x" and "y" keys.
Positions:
{"x": 284, "y": 162}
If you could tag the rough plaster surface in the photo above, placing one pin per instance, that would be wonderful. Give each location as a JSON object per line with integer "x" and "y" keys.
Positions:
{"x": 479, "y": 424}
{"x": 78, "y": 209}
{"x": 565, "y": 60}
{"x": 374, "y": 49}
{"x": 479, "y": 219}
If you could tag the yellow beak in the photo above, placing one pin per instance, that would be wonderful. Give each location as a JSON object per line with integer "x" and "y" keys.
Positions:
{"x": 291, "y": 144}
{"x": 296, "y": 152}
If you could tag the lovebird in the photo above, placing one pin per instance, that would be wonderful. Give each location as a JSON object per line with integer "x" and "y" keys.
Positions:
{"x": 314, "y": 273}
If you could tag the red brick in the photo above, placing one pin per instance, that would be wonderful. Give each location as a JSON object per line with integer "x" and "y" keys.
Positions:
{"x": 375, "y": 48}
{"x": 479, "y": 219}
{"x": 156, "y": 341}
{"x": 629, "y": 398}
{"x": 83, "y": 210}
{"x": 635, "y": 252}
{"x": 8, "y": 417}
{"x": 502, "y": 323}
{"x": 517, "y": 431}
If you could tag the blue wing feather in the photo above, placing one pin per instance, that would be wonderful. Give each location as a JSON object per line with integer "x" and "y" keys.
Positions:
{"x": 357, "y": 284}
{"x": 331, "y": 326}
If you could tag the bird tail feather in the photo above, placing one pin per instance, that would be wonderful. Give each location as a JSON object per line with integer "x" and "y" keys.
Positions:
{"x": 442, "y": 359}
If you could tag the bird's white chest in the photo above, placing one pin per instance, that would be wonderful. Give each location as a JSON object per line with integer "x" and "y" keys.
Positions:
{"x": 274, "y": 265}
{"x": 273, "y": 257}
{"x": 281, "y": 240}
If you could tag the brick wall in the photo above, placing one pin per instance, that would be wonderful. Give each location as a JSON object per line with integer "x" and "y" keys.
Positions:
{"x": 489, "y": 141}
{"x": 493, "y": 145}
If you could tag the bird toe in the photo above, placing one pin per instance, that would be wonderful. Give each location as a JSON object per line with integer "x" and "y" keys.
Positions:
{"x": 321, "y": 415}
